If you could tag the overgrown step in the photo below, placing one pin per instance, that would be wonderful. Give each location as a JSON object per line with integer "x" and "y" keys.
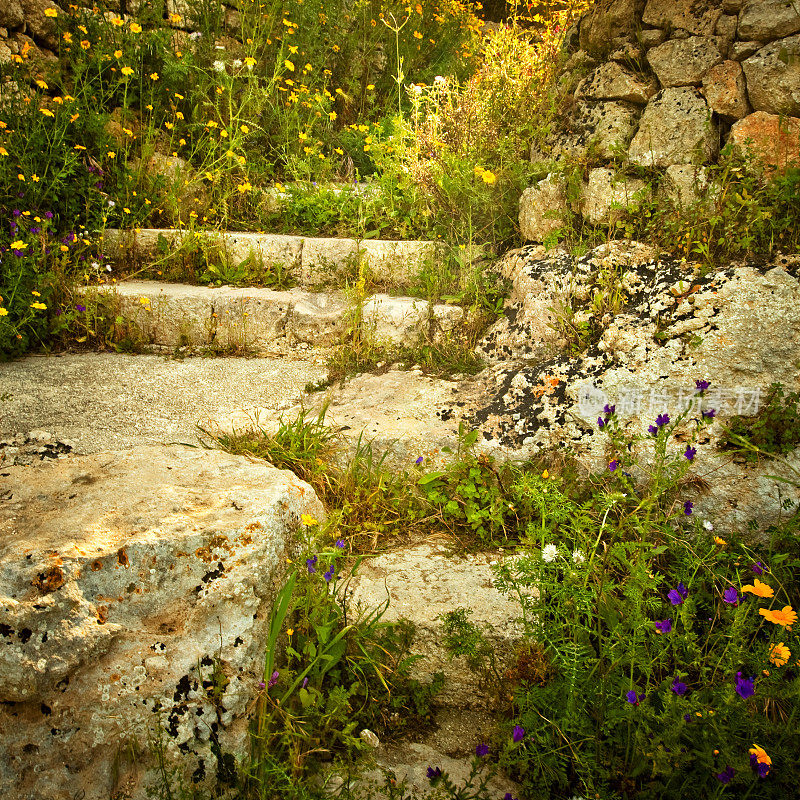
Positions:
{"x": 312, "y": 262}
{"x": 258, "y": 320}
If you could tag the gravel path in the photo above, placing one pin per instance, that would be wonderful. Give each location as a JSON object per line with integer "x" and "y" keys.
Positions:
{"x": 110, "y": 401}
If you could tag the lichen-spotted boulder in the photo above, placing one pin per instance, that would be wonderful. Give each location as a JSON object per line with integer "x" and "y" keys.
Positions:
{"x": 135, "y": 591}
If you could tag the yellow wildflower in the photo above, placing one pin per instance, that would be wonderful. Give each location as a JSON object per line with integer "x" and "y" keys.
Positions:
{"x": 136, "y": 27}
{"x": 67, "y": 37}
{"x": 35, "y": 178}
{"x": 85, "y": 44}
{"x": 111, "y": 154}
{"x": 126, "y": 71}
{"x": 786, "y": 616}
{"x": 3, "y": 312}
{"x": 250, "y": 61}
{"x": 41, "y": 84}
{"x": 779, "y": 654}
{"x": 153, "y": 76}
{"x": 47, "y": 112}
{"x": 51, "y": 12}
{"x": 3, "y": 151}
{"x": 244, "y": 129}
{"x": 39, "y": 306}
{"x": 307, "y": 520}
{"x": 288, "y": 64}
{"x": 35, "y": 293}
{"x": 18, "y": 245}
{"x": 759, "y": 589}
{"x": 244, "y": 187}
{"x": 332, "y": 116}
{"x": 720, "y": 542}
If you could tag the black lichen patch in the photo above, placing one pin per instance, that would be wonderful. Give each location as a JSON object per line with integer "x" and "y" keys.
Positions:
{"x": 211, "y": 575}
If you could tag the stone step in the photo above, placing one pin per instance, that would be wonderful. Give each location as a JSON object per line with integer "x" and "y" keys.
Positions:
{"x": 314, "y": 262}
{"x": 260, "y": 320}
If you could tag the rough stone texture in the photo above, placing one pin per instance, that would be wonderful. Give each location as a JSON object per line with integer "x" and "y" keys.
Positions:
{"x": 409, "y": 320}
{"x": 773, "y": 77}
{"x": 676, "y": 128}
{"x": 611, "y": 81}
{"x": 726, "y": 32}
{"x": 608, "y": 19}
{"x": 739, "y": 51}
{"x": 607, "y": 196}
{"x": 11, "y": 14}
{"x": 109, "y": 401}
{"x": 396, "y": 264}
{"x": 683, "y": 62}
{"x": 651, "y": 37}
{"x": 125, "y": 577}
{"x": 323, "y": 259}
{"x": 427, "y": 581}
{"x": 695, "y": 16}
{"x": 725, "y": 90}
{"x": 542, "y": 209}
{"x": 738, "y": 327}
{"x": 605, "y": 128}
{"x": 684, "y": 184}
{"x": 768, "y": 19}
{"x": 37, "y": 24}
{"x": 732, "y": 6}
{"x": 772, "y": 139}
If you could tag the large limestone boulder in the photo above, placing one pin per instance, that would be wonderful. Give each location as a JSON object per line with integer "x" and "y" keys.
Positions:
{"x": 768, "y": 19}
{"x": 135, "y": 590}
{"x": 38, "y": 24}
{"x": 738, "y": 327}
{"x": 676, "y": 128}
{"x": 773, "y": 77}
{"x": 773, "y": 140}
{"x": 11, "y": 14}
{"x": 683, "y": 62}
{"x": 607, "y": 196}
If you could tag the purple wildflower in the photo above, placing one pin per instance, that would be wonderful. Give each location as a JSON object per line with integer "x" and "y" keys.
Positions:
{"x": 745, "y": 687}
{"x": 434, "y": 773}
{"x": 518, "y": 734}
{"x": 652, "y": 430}
{"x": 312, "y": 564}
{"x": 662, "y": 419}
{"x": 481, "y": 750}
{"x": 665, "y": 626}
{"x": 262, "y": 685}
{"x": 16, "y": 212}
{"x": 305, "y": 682}
{"x": 677, "y": 595}
{"x": 687, "y": 717}
{"x": 35, "y": 229}
{"x": 600, "y": 422}
{"x": 340, "y": 543}
{"x": 690, "y": 453}
{"x": 726, "y": 776}
{"x": 702, "y": 385}
{"x": 687, "y": 508}
{"x": 679, "y": 687}
{"x": 709, "y": 413}
{"x": 419, "y": 460}
{"x": 329, "y": 574}
{"x": 509, "y": 796}
{"x": 758, "y": 568}
{"x": 607, "y": 409}
{"x": 273, "y": 679}
{"x": 633, "y": 698}
{"x": 613, "y": 465}
{"x": 48, "y": 214}
{"x": 759, "y": 766}
{"x": 731, "y": 596}
{"x": 80, "y": 308}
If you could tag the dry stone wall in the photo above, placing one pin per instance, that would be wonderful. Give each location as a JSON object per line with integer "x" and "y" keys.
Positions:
{"x": 666, "y": 84}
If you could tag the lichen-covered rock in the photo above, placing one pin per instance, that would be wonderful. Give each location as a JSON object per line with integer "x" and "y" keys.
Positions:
{"x": 684, "y": 184}
{"x": 726, "y": 32}
{"x": 725, "y": 90}
{"x": 611, "y": 81}
{"x": 768, "y": 19}
{"x": 38, "y": 24}
{"x": 607, "y": 196}
{"x": 135, "y": 591}
{"x": 773, "y": 77}
{"x": 11, "y": 14}
{"x": 698, "y": 17}
{"x": 774, "y": 140}
{"x": 542, "y": 209}
{"x": 738, "y": 327}
{"x": 683, "y": 62}
{"x": 676, "y": 128}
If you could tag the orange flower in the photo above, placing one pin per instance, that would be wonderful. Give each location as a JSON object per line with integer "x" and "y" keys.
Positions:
{"x": 785, "y": 616}
{"x": 759, "y": 589}
{"x": 779, "y": 654}
{"x": 760, "y": 754}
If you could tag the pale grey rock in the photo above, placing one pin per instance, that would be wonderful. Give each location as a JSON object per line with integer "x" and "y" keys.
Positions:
{"x": 629, "y": 53}
{"x": 612, "y": 81}
{"x": 322, "y": 260}
{"x": 676, "y": 128}
{"x": 726, "y": 32}
{"x": 683, "y": 62}
{"x": 698, "y": 18}
{"x": 764, "y": 20}
{"x": 424, "y": 582}
{"x": 542, "y": 209}
{"x": 124, "y": 578}
{"x": 607, "y": 196}
{"x": 725, "y": 90}
{"x": 773, "y": 77}
{"x": 409, "y": 320}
